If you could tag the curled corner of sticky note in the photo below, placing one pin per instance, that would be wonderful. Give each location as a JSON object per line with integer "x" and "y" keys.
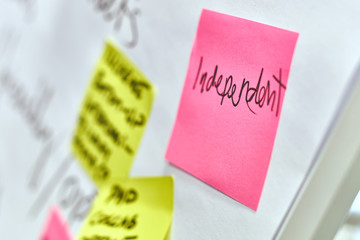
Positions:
{"x": 55, "y": 227}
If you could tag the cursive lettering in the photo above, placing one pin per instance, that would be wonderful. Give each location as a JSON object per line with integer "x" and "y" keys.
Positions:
{"x": 261, "y": 95}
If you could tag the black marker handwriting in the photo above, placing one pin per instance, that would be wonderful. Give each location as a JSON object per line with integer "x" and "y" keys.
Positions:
{"x": 260, "y": 95}
{"x": 107, "y": 126}
{"x": 99, "y": 170}
{"x": 113, "y": 220}
{"x": 132, "y": 116}
{"x": 121, "y": 195}
{"x": 85, "y": 129}
{"x": 121, "y": 69}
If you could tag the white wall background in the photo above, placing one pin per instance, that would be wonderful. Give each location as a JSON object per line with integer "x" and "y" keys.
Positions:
{"x": 50, "y": 48}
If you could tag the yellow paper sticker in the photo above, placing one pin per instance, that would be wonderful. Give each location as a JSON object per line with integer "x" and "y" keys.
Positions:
{"x": 113, "y": 117}
{"x": 131, "y": 209}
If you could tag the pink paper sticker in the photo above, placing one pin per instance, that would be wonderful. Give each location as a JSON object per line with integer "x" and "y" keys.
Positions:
{"x": 56, "y": 227}
{"x": 231, "y": 103}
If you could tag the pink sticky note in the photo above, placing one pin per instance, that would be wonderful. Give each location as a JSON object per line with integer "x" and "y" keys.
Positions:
{"x": 55, "y": 227}
{"x": 231, "y": 103}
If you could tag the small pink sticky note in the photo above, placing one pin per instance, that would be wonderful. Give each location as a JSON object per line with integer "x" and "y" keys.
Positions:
{"x": 56, "y": 227}
{"x": 231, "y": 102}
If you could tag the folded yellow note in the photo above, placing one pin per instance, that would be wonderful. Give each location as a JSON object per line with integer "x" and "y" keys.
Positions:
{"x": 128, "y": 209}
{"x": 112, "y": 119}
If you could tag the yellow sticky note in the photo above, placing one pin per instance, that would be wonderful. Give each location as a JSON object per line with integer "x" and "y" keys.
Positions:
{"x": 113, "y": 117}
{"x": 131, "y": 209}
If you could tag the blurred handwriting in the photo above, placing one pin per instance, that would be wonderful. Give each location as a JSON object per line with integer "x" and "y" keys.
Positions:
{"x": 122, "y": 15}
{"x": 70, "y": 194}
{"x": 32, "y": 108}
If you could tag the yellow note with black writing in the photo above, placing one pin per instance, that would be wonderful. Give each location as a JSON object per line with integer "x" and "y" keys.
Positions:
{"x": 113, "y": 117}
{"x": 131, "y": 209}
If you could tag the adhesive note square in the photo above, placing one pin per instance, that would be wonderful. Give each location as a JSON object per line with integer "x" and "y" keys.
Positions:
{"x": 113, "y": 117}
{"x": 56, "y": 227}
{"x": 231, "y": 103}
{"x": 131, "y": 209}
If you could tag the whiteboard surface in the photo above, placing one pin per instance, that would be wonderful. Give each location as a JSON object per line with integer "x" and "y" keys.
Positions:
{"x": 51, "y": 47}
